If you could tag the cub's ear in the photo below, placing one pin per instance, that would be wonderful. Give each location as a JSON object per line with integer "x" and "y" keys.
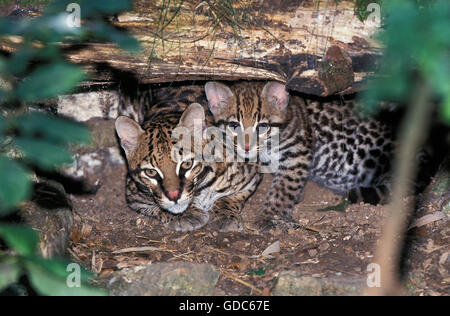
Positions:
{"x": 129, "y": 132}
{"x": 219, "y": 97}
{"x": 193, "y": 118}
{"x": 277, "y": 95}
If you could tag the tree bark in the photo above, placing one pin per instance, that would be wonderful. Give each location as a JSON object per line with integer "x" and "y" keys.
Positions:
{"x": 316, "y": 47}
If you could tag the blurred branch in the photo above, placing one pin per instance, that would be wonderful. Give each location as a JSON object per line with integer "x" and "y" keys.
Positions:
{"x": 414, "y": 130}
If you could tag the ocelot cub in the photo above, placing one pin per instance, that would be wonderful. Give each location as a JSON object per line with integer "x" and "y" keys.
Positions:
{"x": 180, "y": 188}
{"x": 326, "y": 142}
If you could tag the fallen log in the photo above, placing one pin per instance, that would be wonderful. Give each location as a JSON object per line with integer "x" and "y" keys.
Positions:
{"x": 316, "y": 47}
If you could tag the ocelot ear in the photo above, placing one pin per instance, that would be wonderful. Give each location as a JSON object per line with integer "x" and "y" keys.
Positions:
{"x": 193, "y": 117}
{"x": 277, "y": 95}
{"x": 129, "y": 132}
{"x": 219, "y": 97}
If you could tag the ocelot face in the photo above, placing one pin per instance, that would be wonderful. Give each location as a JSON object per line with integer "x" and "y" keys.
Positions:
{"x": 172, "y": 184}
{"x": 155, "y": 161}
{"x": 248, "y": 133}
{"x": 249, "y": 113}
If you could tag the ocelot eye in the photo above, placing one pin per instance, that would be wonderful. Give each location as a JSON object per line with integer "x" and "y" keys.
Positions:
{"x": 233, "y": 125}
{"x": 152, "y": 173}
{"x": 263, "y": 128}
{"x": 187, "y": 165}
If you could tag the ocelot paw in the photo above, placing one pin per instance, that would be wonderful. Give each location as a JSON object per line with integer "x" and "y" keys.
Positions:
{"x": 284, "y": 224}
{"x": 265, "y": 224}
{"x": 226, "y": 223}
{"x": 191, "y": 220}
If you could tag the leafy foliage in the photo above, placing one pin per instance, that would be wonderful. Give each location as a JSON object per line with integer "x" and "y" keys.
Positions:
{"x": 15, "y": 183}
{"x": 22, "y": 239}
{"x": 417, "y": 40}
{"x": 37, "y": 71}
{"x": 36, "y": 86}
{"x": 48, "y": 277}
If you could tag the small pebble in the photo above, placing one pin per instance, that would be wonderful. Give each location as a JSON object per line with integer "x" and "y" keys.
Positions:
{"x": 324, "y": 247}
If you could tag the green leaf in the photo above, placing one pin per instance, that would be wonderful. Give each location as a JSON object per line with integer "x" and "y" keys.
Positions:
{"x": 54, "y": 129}
{"x": 15, "y": 185}
{"x": 3, "y": 96}
{"x": 58, "y": 267}
{"x": 3, "y": 126}
{"x": 10, "y": 26}
{"x": 49, "y": 81}
{"x": 2, "y": 64}
{"x": 417, "y": 41}
{"x": 20, "y": 60}
{"x": 22, "y": 239}
{"x": 52, "y": 278}
{"x": 50, "y": 28}
{"x": 257, "y": 272}
{"x": 10, "y": 271}
{"x": 42, "y": 153}
{"x": 446, "y": 109}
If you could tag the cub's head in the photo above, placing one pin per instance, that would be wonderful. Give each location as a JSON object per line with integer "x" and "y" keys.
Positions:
{"x": 248, "y": 112}
{"x": 155, "y": 161}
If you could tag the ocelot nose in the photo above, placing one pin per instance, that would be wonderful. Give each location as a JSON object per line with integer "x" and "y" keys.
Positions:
{"x": 174, "y": 195}
{"x": 247, "y": 143}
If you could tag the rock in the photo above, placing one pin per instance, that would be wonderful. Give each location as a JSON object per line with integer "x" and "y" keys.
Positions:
{"x": 288, "y": 284}
{"x": 50, "y": 213}
{"x": 85, "y": 106}
{"x": 441, "y": 182}
{"x": 115, "y": 156}
{"x": 90, "y": 161}
{"x": 103, "y": 135}
{"x": 324, "y": 247}
{"x": 85, "y": 170}
{"x": 292, "y": 283}
{"x": 165, "y": 279}
{"x": 446, "y": 207}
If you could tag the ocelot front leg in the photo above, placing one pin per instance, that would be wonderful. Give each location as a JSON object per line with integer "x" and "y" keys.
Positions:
{"x": 226, "y": 212}
{"x": 376, "y": 194}
{"x": 192, "y": 219}
{"x": 287, "y": 190}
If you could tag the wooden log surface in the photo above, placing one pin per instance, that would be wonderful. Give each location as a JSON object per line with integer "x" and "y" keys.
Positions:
{"x": 317, "y": 47}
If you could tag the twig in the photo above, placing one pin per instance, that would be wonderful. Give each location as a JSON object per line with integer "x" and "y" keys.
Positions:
{"x": 182, "y": 256}
{"x": 141, "y": 249}
{"x": 316, "y": 230}
{"x": 73, "y": 254}
{"x": 149, "y": 240}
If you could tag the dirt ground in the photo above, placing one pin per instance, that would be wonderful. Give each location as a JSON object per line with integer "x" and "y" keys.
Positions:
{"x": 328, "y": 244}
